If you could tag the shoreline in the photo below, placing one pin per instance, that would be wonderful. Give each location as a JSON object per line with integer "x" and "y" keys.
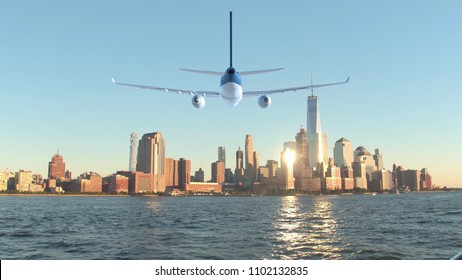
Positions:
{"x": 207, "y": 195}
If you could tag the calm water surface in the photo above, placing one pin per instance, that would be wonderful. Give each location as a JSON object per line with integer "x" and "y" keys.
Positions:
{"x": 406, "y": 226}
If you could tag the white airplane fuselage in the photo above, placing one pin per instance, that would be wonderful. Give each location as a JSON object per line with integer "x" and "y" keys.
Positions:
{"x": 231, "y": 88}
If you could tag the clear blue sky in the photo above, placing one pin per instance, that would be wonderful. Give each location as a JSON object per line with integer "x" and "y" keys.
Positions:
{"x": 57, "y": 58}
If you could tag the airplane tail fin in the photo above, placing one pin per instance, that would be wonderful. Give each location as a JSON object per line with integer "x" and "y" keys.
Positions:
{"x": 230, "y": 39}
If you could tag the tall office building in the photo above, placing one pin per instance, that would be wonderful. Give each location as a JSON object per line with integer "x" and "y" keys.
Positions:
{"x": 56, "y": 167}
{"x": 317, "y": 140}
{"x": 343, "y": 153}
{"x": 256, "y": 164}
{"x": 133, "y": 151}
{"x": 301, "y": 150}
{"x": 249, "y": 164}
{"x": 239, "y": 171}
{"x": 239, "y": 159}
{"x": 314, "y": 118}
{"x": 378, "y": 158}
{"x": 222, "y": 154}
{"x": 151, "y": 159}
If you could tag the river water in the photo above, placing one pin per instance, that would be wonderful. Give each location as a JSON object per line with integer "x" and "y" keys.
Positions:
{"x": 406, "y": 226}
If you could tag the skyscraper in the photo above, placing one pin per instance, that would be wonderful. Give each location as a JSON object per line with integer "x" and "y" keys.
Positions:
{"x": 343, "y": 153}
{"x": 314, "y": 118}
{"x": 56, "y": 167}
{"x": 249, "y": 167}
{"x": 239, "y": 159}
{"x": 317, "y": 140}
{"x": 256, "y": 164}
{"x": 239, "y": 171}
{"x": 301, "y": 150}
{"x": 133, "y": 151}
{"x": 151, "y": 159}
{"x": 378, "y": 158}
{"x": 317, "y": 149}
{"x": 222, "y": 154}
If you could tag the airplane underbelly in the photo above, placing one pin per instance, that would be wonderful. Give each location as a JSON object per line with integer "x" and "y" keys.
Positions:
{"x": 231, "y": 94}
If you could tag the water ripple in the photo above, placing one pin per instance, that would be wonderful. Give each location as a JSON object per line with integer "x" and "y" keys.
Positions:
{"x": 411, "y": 226}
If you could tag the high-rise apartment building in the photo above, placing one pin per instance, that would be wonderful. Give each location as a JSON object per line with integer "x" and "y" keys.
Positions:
{"x": 184, "y": 173}
{"x": 133, "y": 151}
{"x": 222, "y": 154}
{"x": 343, "y": 153}
{"x": 151, "y": 159}
{"x": 56, "y": 167}
{"x": 317, "y": 140}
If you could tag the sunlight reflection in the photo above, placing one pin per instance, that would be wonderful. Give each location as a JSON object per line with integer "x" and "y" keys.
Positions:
{"x": 306, "y": 229}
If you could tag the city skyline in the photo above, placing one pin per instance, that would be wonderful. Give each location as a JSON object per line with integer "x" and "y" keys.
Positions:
{"x": 399, "y": 99}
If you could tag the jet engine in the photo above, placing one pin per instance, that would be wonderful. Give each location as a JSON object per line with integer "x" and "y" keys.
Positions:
{"x": 264, "y": 101}
{"x": 198, "y": 101}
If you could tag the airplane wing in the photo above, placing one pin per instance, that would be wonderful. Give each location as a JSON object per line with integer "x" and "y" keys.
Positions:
{"x": 180, "y": 91}
{"x": 283, "y": 90}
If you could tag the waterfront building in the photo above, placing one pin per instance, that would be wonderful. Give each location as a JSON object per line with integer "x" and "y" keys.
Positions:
{"x": 343, "y": 153}
{"x": 90, "y": 182}
{"x": 249, "y": 164}
{"x": 196, "y": 187}
{"x": 408, "y": 178}
{"x": 218, "y": 172}
{"x": 333, "y": 179}
{"x": 133, "y": 151}
{"x": 118, "y": 183}
{"x": 222, "y": 155}
{"x": 68, "y": 175}
{"x": 171, "y": 172}
{"x": 381, "y": 180}
{"x": 184, "y": 173}
{"x": 425, "y": 183}
{"x": 151, "y": 159}
{"x": 56, "y": 167}
{"x": 138, "y": 182}
{"x": 307, "y": 182}
{"x": 23, "y": 182}
{"x": 5, "y": 177}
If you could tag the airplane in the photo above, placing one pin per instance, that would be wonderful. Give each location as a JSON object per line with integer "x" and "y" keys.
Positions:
{"x": 230, "y": 91}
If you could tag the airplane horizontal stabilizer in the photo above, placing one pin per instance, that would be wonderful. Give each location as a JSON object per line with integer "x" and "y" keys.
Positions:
{"x": 247, "y": 73}
{"x": 214, "y": 73}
